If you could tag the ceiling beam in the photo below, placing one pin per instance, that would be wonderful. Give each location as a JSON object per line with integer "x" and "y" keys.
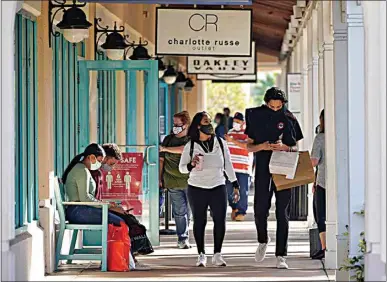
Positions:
{"x": 269, "y": 11}
{"x": 278, "y": 5}
{"x": 264, "y": 28}
{"x": 267, "y": 51}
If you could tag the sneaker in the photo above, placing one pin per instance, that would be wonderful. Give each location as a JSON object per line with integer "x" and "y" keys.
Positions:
{"x": 183, "y": 245}
{"x": 202, "y": 260}
{"x": 141, "y": 267}
{"x": 218, "y": 260}
{"x": 240, "y": 217}
{"x": 281, "y": 263}
{"x": 260, "y": 254}
{"x": 233, "y": 214}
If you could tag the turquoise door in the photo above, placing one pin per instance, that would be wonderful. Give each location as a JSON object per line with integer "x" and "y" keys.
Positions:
{"x": 148, "y": 136}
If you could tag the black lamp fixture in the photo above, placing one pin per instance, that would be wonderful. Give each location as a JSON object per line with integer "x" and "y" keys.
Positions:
{"x": 170, "y": 75}
{"x": 162, "y": 67}
{"x": 139, "y": 51}
{"x": 74, "y": 21}
{"x": 116, "y": 44}
{"x": 180, "y": 80}
{"x": 189, "y": 85}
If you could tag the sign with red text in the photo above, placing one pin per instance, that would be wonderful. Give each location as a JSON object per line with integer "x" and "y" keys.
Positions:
{"x": 204, "y": 32}
{"x": 124, "y": 182}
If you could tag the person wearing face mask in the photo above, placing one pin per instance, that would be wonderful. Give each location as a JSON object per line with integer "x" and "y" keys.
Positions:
{"x": 271, "y": 127}
{"x": 113, "y": 155}
{"x": 221, "y": 128}
{"x": 173, "y": 180}
{"x": 206, "y": 158}
{"x": 240, "y": 157}
{"x": 80, "y": 186}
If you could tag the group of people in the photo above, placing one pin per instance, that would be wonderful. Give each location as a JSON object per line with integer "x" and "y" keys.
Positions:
{"x": 203, "y": 170}
{"x": 203, "y": 167}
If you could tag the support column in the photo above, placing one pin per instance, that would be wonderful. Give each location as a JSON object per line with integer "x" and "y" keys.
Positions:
{"x": 7, "y": 139}
{"x": 356, "y": 122}
{"x": 315, "y": 69}
{"x": 330, "y": 133}
{"x": 374, "y": 267}
{"x": 320, "y": 50}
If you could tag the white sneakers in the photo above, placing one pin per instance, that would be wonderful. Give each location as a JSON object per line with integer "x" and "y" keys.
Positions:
{"x": 184, "y": 245}
{"x": 281, "y": 263}
{"x": 202, "y": 260}
{"x": 260, "y": 255}
{"x": 217, "y": 260}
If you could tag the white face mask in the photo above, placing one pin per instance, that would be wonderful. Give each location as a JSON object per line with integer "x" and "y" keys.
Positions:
{"x": 95, "y": 166}
{"x": 177, "y": 130}
{"x": 237, "y": 126}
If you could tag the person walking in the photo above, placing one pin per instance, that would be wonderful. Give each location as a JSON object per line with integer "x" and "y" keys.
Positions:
{"x": 271, "y": 128}
{"x": 229, "y": 119}
{"x": 207, "y": 159}
{"x": 173, "y": 180}
{"x": 237, "y": 143}
{"x": 319, "y": 194}
{"x": 221, "y": 128}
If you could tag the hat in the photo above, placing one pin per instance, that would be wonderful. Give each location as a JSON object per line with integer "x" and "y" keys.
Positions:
{"x": 239, "y": 116}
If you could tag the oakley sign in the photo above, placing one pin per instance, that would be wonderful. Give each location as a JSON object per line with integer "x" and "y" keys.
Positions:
{"x": 228, "y": 77}
{"x": 184, "y": 32}
{"x": 222, "y": 65}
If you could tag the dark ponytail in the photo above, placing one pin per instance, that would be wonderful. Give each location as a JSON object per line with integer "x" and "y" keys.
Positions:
{"x": 92, "y": 149}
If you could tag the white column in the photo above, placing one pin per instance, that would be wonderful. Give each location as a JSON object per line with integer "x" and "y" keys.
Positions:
{"x": 356, "y": 121}
{"x": 374, "y": 266}
{"x": 320, "y": 50}
{"x": 330, "y": 132}
{"x": 305, "y": 100}
{"x": 382, "y": 60}
{"x": 315, "y": 68}
{"x": 7, "y": 137}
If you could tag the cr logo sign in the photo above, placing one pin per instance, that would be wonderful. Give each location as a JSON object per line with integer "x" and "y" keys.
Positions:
{"x": 198, "y": 22}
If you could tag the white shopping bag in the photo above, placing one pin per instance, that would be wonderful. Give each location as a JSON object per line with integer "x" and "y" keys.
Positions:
{"x": 284, "y": 163}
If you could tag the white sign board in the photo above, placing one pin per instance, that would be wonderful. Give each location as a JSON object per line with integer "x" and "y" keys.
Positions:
{"x": 294, "y": 92}
{"x": 222, "y": 65}
{"x": 201, "y": 32}
{"x": 227, "y": 77}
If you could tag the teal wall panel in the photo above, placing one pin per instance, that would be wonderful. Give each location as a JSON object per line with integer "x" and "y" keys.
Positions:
{"x": 26, "y": 141}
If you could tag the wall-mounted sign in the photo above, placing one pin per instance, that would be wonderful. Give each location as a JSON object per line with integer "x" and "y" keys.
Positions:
{"x": 222, "y": 65}
{"x": 202, "y": 32}
{"x": 186, "y": 2}
{"x": 250, "y": 78}
{"x": 294, "y": 92}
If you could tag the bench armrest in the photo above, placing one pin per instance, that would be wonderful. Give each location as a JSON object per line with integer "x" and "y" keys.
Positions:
{"x": 85, "y": 204}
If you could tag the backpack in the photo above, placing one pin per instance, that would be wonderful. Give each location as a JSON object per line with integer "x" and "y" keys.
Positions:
{"x": 221, "y": 147}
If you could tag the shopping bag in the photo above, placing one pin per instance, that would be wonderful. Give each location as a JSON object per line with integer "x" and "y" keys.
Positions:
{"x": 284, "y": 163}
{"x": 118, "y": 245}
{"x": 141, "y": 245}
{"x": 304, "y": 174}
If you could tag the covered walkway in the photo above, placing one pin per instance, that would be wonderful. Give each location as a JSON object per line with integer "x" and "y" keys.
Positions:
{"x": 171, "y": 264}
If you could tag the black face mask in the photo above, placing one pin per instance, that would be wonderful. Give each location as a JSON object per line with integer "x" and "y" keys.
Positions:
{"x": 207, "y": 129}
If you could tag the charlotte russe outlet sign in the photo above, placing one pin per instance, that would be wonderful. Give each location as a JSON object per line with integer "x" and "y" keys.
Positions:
{"x": 202, "y": 32}
{"x": 222, "y": 65}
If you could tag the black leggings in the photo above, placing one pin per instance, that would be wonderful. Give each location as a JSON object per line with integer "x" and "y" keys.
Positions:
{"x": 319, "y": 201}
{"x": 200, "y": 199}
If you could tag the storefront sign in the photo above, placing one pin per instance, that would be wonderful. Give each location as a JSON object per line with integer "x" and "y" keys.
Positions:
{"x": 251, "y": 78}
{"x": 222, "y": 65}
{"x": 201, "y": 32}
{"x": 124, "y": 182}
{"x": 294, "y": 92}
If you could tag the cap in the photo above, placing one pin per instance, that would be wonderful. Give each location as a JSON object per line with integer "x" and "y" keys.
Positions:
{"x": 275, "y": 93}
{"x": 239, "y": 116}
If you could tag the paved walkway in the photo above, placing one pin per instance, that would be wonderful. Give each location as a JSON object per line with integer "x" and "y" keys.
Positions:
{"x": 170, "y": 264}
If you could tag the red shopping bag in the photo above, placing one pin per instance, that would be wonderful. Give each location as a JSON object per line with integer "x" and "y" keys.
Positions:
{"x": 118, "y": 248}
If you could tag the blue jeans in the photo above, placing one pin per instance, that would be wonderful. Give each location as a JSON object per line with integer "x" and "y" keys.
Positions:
{"x": 90, "y": 215}
{"x": 244, "y": 184}
{"x": 181, "y": 212}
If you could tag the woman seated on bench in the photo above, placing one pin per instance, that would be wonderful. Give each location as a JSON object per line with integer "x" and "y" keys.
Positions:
{"x": 80, "y": 187}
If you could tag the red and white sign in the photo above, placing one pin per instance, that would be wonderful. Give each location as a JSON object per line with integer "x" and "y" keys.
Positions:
{"x": 124, "y": 182}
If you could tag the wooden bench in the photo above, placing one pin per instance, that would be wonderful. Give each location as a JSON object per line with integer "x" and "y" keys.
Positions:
{"x": 98, "y": 254}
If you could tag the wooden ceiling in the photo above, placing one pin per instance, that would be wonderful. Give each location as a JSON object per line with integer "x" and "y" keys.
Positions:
{"x": 270, "y": 21}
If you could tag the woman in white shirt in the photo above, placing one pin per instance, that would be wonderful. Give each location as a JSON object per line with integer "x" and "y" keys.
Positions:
{"x": 207, "y": 158}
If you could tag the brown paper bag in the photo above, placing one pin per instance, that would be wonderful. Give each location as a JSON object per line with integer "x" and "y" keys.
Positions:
{"x": 304, "y": 174}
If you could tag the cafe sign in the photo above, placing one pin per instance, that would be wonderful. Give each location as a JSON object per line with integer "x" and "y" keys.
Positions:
{"x": 222, "y": 65}
{"x": 203, "y": 32}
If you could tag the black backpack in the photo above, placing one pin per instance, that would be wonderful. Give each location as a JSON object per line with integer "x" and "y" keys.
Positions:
{"x": 221, "y": 147}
